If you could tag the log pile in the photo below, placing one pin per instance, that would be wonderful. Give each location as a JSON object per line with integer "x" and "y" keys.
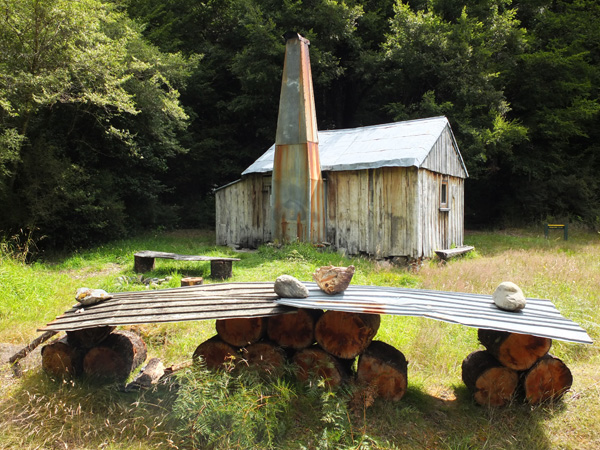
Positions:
{"x": 514, "y": 366}
{"x": 99, "y": 353}
{"x": 320, "y": 345}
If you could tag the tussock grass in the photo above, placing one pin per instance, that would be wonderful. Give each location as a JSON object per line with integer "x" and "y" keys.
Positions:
{"x": 198, "y": 409}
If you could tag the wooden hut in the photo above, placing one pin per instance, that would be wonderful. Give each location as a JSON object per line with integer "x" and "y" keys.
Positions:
{"x": 395, "y": 189}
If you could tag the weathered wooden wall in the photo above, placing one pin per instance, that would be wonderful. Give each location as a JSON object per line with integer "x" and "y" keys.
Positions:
{"x": 444, "y": 156}
{"x": 388, "y": 211}
{"x": 393, "y": 211}
{"x": 243, "y": 212}
{"x": 439, "y": 229}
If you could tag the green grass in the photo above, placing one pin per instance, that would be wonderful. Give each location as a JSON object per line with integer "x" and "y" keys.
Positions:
{"x": 199, "y": 409}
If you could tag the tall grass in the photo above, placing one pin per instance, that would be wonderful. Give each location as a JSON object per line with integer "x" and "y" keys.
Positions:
{"x": 241, "y": 409}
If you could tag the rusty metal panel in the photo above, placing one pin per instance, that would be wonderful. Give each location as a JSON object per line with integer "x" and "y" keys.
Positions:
{"x": 297, "y": 185}
{"x": 539, "y": 318}
{"x": 211, "y": 301}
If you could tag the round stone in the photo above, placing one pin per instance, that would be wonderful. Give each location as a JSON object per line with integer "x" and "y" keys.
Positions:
{"x": 509, "y": 297}
{"x": 287, "y": 286}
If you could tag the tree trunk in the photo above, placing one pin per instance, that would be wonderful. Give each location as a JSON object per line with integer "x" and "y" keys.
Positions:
{"x": 296, "y": 330}
{"x": 243, "y": 331}
{"x": 314, "y": 362}
{"x": 61, "y": 359}
{"x": 385, "y": 368}
{"x": 490, "y": 382}
{"x": 548, "y": 379}
{"x": 89, "y": 337}
{"x": 513, "y": 350}
{"x": 120, "y": 353}
{"x": 345, "y": 334}
{"x": 265, "y": 356}
{"x": 214, "y": 353}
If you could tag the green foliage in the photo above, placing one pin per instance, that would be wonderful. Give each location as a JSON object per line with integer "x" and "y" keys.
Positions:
{"x": 224, "y": 410}
{"x": 89, "y": 116}
{"x": 241, "y": 409}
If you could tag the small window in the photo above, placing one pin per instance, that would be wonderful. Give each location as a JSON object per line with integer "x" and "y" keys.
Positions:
{"x": 444, "y": 195}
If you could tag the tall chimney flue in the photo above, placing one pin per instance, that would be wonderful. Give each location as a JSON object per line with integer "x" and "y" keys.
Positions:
{"x": 298, "y": 195}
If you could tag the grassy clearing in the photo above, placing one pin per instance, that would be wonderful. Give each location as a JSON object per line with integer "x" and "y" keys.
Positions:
{"x": 244, "y": 410}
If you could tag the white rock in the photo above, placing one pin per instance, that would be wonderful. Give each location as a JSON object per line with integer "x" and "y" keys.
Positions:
{"x": 287, "y": 286}
{"x": 87, "y": 296}
{"x": 509, "y": 297}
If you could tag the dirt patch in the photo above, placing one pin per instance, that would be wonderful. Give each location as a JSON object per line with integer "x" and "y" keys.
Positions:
{"x": 33, "y": 361}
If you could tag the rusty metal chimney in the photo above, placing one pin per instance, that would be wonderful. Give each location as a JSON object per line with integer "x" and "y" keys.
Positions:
{"x": 297, "y": 187}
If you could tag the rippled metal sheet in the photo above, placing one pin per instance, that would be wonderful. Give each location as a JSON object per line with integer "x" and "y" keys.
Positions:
{"x": 539, "y": 318}
{"x": 203, "y": 302}
{"x": 399, "y": 144}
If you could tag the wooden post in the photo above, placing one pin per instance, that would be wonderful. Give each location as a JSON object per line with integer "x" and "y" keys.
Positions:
{"x": 221, "y": 269}
{"x": 142, "y": 264}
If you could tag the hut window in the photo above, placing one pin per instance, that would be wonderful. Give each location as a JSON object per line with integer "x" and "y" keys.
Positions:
{"x": 444, "y": 194}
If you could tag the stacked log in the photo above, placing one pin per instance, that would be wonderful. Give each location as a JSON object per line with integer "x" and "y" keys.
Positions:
{"x": 100, "y": 353}
{"x": 321, "y": 345}
{"x": 514, "y": 365}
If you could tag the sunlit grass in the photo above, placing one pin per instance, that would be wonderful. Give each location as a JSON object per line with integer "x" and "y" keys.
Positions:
{"x": 437, "y": 411}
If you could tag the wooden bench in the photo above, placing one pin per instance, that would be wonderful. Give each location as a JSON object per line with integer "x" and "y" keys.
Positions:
{"x": 220, "y": 267}
{"x": 452, "y": 252}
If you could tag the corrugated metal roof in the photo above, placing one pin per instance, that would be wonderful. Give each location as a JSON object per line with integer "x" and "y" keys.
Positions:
{"x": 399, "y": 144}
{"x": 539, "y": 318}
{"x": 233, "y": 300}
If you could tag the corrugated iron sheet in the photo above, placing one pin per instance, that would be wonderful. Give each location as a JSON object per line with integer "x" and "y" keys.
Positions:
{"x": 211, "y": 301}
{"x": 234, "y": 300}
{"x": 539, "y": 318}
{"x": 399, "y": 144}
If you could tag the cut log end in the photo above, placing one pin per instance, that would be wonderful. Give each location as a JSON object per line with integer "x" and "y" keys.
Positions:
{"x": 490, "y": 382}
{"x": 513, "y": 350}
{"x": 243, "y": 331}
{"x": 265, "y": 356}
{"x": 120, "y": 353}
{"x": 316, "y": 363}
{"x": 344, "y": 334}
{"x": 496, "y": 386}
{"x": 385, "y": 368}
{"x": 215, "y": 353}
{"x": 62, "y": 360}
{"x": 296, "y": 330}
{"x": 547, "y": 380}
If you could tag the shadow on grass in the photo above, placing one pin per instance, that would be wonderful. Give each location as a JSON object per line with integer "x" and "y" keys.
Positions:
{"x": 85, "y": 413}
{"x": 424, "y": 421}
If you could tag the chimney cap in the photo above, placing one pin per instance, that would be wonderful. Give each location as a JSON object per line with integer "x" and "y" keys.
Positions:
{"x": 294, "y": 35}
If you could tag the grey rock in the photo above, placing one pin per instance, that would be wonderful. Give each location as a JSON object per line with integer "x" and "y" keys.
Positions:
{"x": 87, "y": 296}
{"x": 509, "y": 297}
{"x": 287, "y": 286}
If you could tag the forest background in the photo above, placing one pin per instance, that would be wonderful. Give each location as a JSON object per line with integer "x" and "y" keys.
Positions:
{"x": 125, "y": 114}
